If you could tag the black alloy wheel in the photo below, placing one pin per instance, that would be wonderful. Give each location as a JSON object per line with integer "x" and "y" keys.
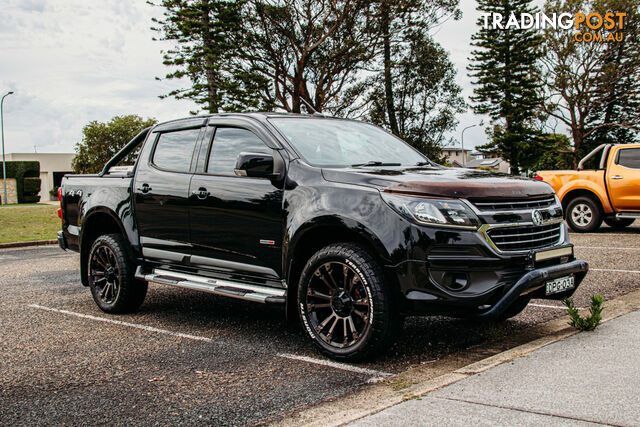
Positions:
{"x": 345, "y": 305}
{"x": 104, "y": 273}
{"x": 338, "y": 304}
{"x": 110, "y": 276}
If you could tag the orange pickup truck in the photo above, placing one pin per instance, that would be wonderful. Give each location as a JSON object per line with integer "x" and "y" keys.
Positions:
{"x": 606, "y": 187}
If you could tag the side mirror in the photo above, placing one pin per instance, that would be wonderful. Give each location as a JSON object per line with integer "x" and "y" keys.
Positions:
{"x": 256, "y": 165}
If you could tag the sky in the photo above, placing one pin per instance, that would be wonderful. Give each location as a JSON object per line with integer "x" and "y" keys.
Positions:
{"x": 73, "y": 61}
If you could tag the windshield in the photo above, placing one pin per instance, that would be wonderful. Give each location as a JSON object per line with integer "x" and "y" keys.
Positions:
{"x": 333, "y": 142}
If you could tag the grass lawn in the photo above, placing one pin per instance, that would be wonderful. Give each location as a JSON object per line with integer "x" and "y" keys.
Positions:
{"x": 26, "y": 223}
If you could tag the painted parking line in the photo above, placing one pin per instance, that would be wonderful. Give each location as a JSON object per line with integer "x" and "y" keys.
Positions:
{"x": 607, "y": 247}
{"x": 557, "y": 307}
{"x": 121, "y": 323}
{"x": 375, "y": 375}
{"x": 615, "y": 271}
{"x": 336, "y": 365}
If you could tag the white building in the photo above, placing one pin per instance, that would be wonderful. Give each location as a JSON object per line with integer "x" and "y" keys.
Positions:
{"x": 53, "y": 166}
{"x": 455, "y": 156}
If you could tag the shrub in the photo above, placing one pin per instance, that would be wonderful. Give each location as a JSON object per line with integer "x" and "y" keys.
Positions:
{"x": 24, "y": 169}
{"x": 54, "y": 192}
{"x": 590, "y": 322}
{"x": 30, "y": 189}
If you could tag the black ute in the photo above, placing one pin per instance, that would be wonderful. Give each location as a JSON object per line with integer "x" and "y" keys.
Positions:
{"x": 341, "y": 223}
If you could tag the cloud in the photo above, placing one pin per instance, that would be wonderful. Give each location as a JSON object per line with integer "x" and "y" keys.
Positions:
{"x": 71, "y": 62}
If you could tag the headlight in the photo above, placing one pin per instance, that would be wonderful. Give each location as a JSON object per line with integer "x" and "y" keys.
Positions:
{"x": 440, "y": 212}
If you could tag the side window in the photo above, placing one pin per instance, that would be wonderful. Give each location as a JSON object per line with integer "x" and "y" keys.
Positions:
{"x": 174, "y": 150}
{"x": 227, "y": 144}
{"x": 629, "y": 157}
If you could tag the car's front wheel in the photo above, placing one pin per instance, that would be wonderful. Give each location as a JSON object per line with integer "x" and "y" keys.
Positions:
{"x": 111, "y": 278}
{"x": 345, "y": 305}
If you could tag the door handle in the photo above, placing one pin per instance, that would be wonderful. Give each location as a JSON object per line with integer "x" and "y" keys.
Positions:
{"x": 201, "y": 193}
{"x": 145, "y": 188}
{"x": 617, "y": 177}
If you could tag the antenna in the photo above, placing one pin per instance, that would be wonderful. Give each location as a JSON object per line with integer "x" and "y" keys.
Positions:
{"x": 310, "y": 108}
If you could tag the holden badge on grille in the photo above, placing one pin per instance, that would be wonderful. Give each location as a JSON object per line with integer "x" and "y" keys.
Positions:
{"x": 536, "y": 217}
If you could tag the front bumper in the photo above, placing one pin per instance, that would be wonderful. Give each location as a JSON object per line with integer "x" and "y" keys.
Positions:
{"x": 530, "y": 282}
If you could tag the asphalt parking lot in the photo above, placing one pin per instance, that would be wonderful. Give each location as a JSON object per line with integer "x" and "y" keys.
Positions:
{"x": 190, "y": 357}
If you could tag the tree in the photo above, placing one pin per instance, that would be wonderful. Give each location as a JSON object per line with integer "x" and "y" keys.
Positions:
{"x": 403, "y": 25}
{"x": 411, "y": 88}
{"x": 618, "y": 83}
{"x": 101, "y": 141}
{"x": 592, "y": 88}
{"x": 309, "y": 51}
{"x": 552, "y": 153}
{"x": 208, "y": 39}
{"x": 504, "y": 69}
{"x": 425, "y": 97}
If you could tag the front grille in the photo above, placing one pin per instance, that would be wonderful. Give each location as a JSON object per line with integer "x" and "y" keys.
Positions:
{"x": 522, "y": 238}
{"x": 514, "y": 204}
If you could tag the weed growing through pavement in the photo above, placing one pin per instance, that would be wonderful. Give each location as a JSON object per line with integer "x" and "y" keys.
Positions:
{"x": 587, "y": 323}
{"x": 400, "y": 384}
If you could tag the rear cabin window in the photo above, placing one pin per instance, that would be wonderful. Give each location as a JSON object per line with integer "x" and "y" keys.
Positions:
{"x": 629, "y": 157}
{"x": 174, "y": 150}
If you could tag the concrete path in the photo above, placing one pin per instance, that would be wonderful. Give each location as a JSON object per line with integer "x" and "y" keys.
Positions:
{"x": 589, "y": 378}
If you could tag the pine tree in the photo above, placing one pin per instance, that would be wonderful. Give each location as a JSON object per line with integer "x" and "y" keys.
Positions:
{"x": 619, "y": 81}
{"x": 504, "y": 69}
{"x": 208, "y": 41}
{"x": 412, "y": 91}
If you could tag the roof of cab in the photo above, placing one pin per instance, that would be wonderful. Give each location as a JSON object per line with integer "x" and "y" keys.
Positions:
{"x": 194, "y": 121}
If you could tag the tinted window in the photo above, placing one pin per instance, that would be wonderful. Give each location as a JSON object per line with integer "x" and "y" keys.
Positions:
{"x": 174, "y": 150}
{"x": 629, "y": 157}
{"x": 227, "y": 144}
{"x": 332, "y": 142}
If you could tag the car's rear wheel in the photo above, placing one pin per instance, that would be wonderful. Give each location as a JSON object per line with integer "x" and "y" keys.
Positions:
{"x": 618, "y": 223}
{"x": 583, "y": 215}
{"x": 111, "y": 278}
{"x": 345, "y": 305}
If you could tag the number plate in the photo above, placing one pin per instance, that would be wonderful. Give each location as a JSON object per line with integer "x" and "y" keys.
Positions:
{"x": 560, "y": 284}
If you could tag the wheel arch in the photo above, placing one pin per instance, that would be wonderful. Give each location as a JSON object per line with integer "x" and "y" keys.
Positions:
{"x": 581, "y": 192}
{"x": 321, "y": 232}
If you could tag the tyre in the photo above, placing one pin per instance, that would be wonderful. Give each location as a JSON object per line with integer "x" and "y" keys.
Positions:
{"x": 344, "y": 304}
{"x": 111, "y": 278}
{"x": 583, "y": 215}
{"x": 618, "y": 223}
{"x": 514, "y": 309}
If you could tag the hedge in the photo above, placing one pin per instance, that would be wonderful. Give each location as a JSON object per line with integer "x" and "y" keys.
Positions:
{"x": 24, "y": 172}
{"x": 30, "y": 189}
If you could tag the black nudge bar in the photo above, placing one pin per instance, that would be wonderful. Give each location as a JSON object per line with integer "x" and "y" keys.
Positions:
{"x": 533, "y": 278}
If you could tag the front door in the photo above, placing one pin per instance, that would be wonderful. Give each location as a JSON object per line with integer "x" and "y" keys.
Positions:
{"x": 624, "y": 180}
{"x": 236, "y": 221}
{"x": 161, "y": 190}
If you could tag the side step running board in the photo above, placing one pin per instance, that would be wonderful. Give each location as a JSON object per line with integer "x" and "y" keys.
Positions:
{"x": 629, "y": 215}
{"x": 227, "y": 288}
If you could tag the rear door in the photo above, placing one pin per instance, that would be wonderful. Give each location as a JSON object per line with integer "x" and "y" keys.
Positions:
{"x": 624, "y": 179}
{"x": 161, "y": 190}
{"x": 236, "y": 221}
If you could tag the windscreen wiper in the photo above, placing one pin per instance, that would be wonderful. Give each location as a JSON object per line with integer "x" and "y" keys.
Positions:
{"x": 424, "y": 164}
{"x": 376, "y": 163}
